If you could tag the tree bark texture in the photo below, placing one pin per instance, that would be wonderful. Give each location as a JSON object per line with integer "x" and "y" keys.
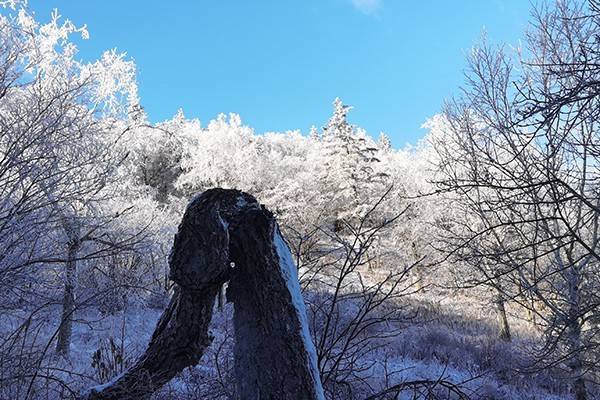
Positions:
{"x": 274, "y": 355}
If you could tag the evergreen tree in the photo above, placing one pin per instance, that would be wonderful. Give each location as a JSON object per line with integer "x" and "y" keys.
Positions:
{"x": 353, "y": 174}
{"x": 384, "y": 142}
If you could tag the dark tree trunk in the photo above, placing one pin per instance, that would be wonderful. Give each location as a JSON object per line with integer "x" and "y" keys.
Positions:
{"x": 576, "y": 363}
{"x": 274, "y": 355}
{"x": 65, "y": 329}
{"x": 503, "y": 326}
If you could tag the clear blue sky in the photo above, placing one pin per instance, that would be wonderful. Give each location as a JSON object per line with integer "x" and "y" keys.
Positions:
{"x": 280, "y": 63}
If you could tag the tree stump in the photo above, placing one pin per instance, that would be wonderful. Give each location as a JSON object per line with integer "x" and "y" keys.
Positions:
{"x": 273, "y": 352}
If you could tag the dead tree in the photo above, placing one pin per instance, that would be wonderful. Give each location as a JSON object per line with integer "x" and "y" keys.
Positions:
{"x": 227, "y": 236}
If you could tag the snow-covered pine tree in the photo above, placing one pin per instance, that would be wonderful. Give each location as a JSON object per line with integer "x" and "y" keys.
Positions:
{"x": 314, "y": 133}
{"x": 384, "y": 142}
{"x": 353, "y": 174}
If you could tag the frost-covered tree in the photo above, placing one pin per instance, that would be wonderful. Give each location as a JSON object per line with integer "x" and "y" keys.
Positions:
{"x": 384, "y": 142}
{"x": 224, "y": 154}
{"x": 527, "y": 157}
{"x": 353, "y": 173}
{"x": 474, "y": 257}
{"x": 59, "y": 119}
{"x": 156, "y": 151}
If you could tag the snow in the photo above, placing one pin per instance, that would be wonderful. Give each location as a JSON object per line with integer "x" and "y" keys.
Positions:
{"x": 224, "y": 223}
{"x": 77, "y": 139}
{"x": 101, "y": 387}
{"x": 289, "y": 273}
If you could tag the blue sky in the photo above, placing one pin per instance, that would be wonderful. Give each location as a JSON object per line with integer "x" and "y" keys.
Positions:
{"x": 280, "y": 63}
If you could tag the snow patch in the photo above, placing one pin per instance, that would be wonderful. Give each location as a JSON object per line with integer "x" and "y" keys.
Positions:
{"x": 222, "y": 221}
{"x": 101, "y": 387}
{"x": 290, "y": 275}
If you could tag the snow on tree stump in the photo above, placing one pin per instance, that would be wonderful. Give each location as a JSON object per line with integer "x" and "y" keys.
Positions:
{"x": 227, "y": 236}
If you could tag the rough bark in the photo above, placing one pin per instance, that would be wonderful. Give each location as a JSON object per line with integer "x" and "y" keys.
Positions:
{"x": 270, "y": 325}
{"x": 273, "y": 352}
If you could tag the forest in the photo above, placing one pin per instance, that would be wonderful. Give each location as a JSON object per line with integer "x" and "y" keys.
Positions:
{"x": 464, "y": 267}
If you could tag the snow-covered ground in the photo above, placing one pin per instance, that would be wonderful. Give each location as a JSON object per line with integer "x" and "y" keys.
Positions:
{"x": 451, "y": 339}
